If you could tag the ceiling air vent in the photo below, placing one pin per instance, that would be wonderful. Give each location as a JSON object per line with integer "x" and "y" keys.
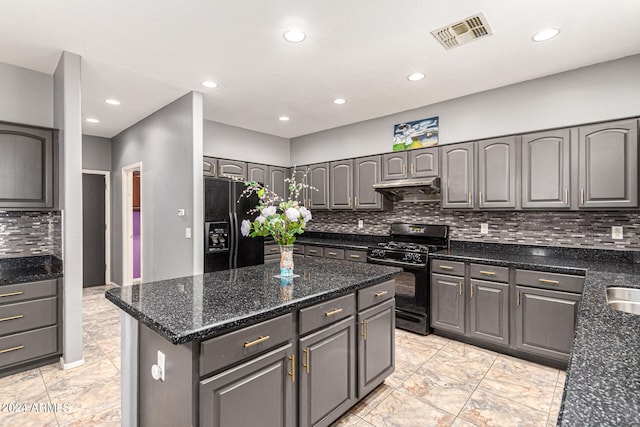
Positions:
{"x": 463, "y": 32}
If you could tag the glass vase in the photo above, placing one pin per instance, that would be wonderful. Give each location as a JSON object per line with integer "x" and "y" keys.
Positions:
{"x": 286, "y": 261}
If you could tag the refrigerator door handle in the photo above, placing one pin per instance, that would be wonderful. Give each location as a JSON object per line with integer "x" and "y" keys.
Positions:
{"x": 232, "y": 242}
{"x": 237, "y": 236}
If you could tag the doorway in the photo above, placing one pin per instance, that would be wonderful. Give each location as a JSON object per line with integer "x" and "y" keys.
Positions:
{"x": 95, "y": 228}
{"x": 132, "y": 224}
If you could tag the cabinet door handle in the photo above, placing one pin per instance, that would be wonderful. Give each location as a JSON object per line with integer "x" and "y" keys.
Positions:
{"x": 488, "y": 273}
{"x": 306, "y": 359}
{"x": 582, "y": 196}
{"x": 7, "y": 350}
{"x": 460, "y": 288}
{"x": 469, "y": 200}
{"x": 553, "y": 282}
{"x": 412, "y": 169}
{"x": 292, "y": 374}
{"x": 332, "y": 312}
{"x": 445, "y": 267}
{"x": 364, "y": 330}
{"x": 566, "y": 196}
{"x": 518, "y": 298}
{"x": 404, "y": 169}
{"x": 11, "y": 294}
{"x": 20, "y": 316}
{"x": 260, "y": 339}
{"x": 381, "y": 293}
{"x": 480, "y": 198}
{"x": 471, "y": 290}
{"x": 355, "y": 203}
{"x": 213, "y": 168}
{"x": 349, "y": 201}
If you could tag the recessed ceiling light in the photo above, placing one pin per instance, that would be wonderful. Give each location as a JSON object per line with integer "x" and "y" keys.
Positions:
{"x": 92, "y": 120}
{"x": 283, "y": 118}
{"x": 294, "y": 36}
{"x": 339, "y": 101}
{"x": 415, "y": 77}
{"x": 209, "y": 83}
{"x": 546, "y": 34}
{"x": 112, "y": 101}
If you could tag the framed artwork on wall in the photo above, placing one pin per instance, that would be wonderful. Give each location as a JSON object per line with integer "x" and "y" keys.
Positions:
{"x": 416, "y": 134}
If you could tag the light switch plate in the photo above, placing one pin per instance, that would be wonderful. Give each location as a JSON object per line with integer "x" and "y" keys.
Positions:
{"x": 161, "y": 364}
{"x": 181, "y": 212}
{"x": 616, "y": 233}
{"x": 484, "y": 228}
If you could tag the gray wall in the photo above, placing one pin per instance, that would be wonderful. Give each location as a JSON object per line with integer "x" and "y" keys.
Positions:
{"x": 231, "y": 142}
{"x": 600, "y": 92}
{"x": 96, "y": 153}
{"x": 26, "y": 96}
{"x": 164, "y": 143}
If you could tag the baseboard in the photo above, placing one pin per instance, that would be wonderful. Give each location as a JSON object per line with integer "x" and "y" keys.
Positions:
{"x": 66, "y": 366}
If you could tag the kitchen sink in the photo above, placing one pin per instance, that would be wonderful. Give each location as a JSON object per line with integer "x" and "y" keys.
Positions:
{"x": 624, "y": 299}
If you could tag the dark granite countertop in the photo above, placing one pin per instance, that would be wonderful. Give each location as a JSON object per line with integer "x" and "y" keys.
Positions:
{"x": 29, "y": 269}
{"x": 202, "y": 306}
{"x": 603, "y": 378}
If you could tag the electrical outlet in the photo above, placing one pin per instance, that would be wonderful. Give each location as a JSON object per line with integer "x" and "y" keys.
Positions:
{"x": 360, "y": 223}
{"x": 616, "y": 233}
{"x": 484, "y": 228}
{"x": 187, "y": 232}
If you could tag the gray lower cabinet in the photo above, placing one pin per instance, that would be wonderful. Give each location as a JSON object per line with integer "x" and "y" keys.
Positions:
{"x": 277, "y": 183}
{"x": 546, "y": 170}
{"x": 257, "y": 172}
{"x": 497, "y": 173}
{"x": 376, "y": 346}
{"x": 458, "y": 179}
{"x": 318, "y": 178}
{"x": 341, "y": 185}
{"x": 489, "y": 311}
{"x": 545, "y": 321}
{"x": 259, "y": 392}
{"x": 447, "y": 303}
{"x": 26, "y": 167}
{"x": 608, "y": 165}
{"x": 327, "y": 373}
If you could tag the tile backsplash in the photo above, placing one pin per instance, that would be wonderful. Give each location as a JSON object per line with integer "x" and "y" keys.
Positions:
{"x": 30, "y": 233}
{"x": 569, "y": 229}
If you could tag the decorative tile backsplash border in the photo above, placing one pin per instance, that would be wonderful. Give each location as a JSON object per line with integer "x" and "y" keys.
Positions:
{"x": 569, "y": 229}
{"x": 30, "y": 233}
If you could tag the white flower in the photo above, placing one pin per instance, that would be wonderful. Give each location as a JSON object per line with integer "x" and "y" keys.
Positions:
{"x": 293, "y": 214}
{"x": 306, "y": 214}
{"x": 268, "y": 211}
{"x": 261, "y": 219}
{"x": 245, "y": 227}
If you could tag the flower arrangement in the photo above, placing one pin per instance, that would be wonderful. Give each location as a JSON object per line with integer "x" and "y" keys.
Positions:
{"x": 278, "y": 218}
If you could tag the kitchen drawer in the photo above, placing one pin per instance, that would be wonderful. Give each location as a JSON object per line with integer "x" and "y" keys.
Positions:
{"x": 271, "y": 249}
{"x": 298, "y": 249}
{"x": 22, "y": 316}
{"x": 272, "y": 259}
{"x": 490, "y": 272}
{"x": 375, "y": 294}
{"x": 25, "y": 291}
{"x": 326, "y": 313}
{"x": 555, "y": 281}
{"x": 313, "y": 250}
{"x": 333, "y": 253}
{"x": 357, "y": 256}
{"x": 447, "y": 267}
{"x": 233, "y": 347}
{"x": 25, "y": 346}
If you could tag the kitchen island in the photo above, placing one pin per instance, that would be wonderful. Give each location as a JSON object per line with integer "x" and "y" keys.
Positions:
{"x": 241, "y": 347}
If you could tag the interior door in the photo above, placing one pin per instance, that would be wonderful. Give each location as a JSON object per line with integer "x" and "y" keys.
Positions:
{"x": 93, "y": 230}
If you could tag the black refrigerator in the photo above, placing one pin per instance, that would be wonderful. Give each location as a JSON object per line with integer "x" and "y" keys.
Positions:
{"x": 225, "y": 247}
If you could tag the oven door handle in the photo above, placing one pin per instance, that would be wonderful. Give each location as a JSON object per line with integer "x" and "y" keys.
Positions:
{"x": 396, "y": 263}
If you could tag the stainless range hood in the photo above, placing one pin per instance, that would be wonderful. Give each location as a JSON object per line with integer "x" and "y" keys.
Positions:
{"x": 411, "y": 190}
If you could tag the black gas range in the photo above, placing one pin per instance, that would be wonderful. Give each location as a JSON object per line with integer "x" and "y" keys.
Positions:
{"x": 409, "y": 248}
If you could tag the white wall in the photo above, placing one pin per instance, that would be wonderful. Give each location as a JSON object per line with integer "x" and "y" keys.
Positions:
{"x": 96, "y": 153}
{"x": 26, "y": 96}
{"x": 599, "y": 92}
{"x": 231, "y": 142}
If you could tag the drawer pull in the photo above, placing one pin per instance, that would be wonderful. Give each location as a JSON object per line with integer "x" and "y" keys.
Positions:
{"x": 518, "y": 298}
{"x": 313, "y": 251}
{"x": 292, "y": 374}
{"x": 11, "y": 294}
{"x": 332, "y": 312}
{"x": 364, "y": 330}
{"x": 306, "y": 359}
{"x": 488, "y": 273}
{"x": 445, "y": 267}
{"x": 332, "y": 253}
{"x": 7, "y": 350}
{"x": 355, "y": 256}
{"x": 553, "y": 282}
{"x": 381, "y": 293}
{"x": 260, "y": 339}
{"x": 20, "y": 316}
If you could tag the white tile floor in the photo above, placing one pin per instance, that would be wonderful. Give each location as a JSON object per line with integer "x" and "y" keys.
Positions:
{"x": 437, "y": 382}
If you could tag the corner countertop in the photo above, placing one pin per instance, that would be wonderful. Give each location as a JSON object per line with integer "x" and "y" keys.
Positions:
{"x": 29, "y": 269}
{"x": 603, "y": 377}
{"x": 202, "y": 306}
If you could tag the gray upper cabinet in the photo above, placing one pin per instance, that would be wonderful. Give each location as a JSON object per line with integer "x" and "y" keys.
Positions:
{"x": 546, "y": 170}
{"x": 394, "y": 166}
{"x": 209, "y": 165}
{"x": 257, "y": 172}
{"x": 232, "y": 168}
{"x": 423, "y": 162}
{"x": 608, "y": 165}
{"x": 318, "y": 178}
{"x": 277, "y": 183}
{"x": 366, "y": 173}
{"x": 458, "y": 175}
{"x": 26, "y": 167}
{"x": 341, "y": 185}
{"x": 496, "y": 173}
